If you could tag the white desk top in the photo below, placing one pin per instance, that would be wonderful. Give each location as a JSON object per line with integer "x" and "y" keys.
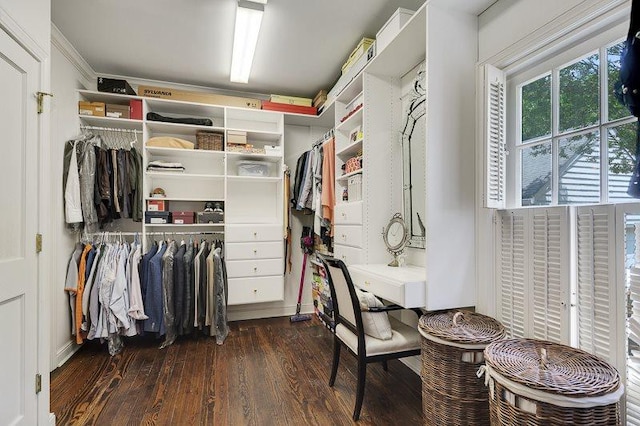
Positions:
{"x": 405, "y": 286}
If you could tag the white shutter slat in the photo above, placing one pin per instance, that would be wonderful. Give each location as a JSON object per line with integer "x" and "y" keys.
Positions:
{"x": 595, "y": 275}
{"x": 512, "y": 273}
{"x": 495, "y": 137}
{"x": 550, "y": 274}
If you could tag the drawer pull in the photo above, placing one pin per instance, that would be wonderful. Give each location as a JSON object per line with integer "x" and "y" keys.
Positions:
{"x": 344, "y": 214}
{"x": 255, "y": 251}
{"x": 255, "y": 290}
{"x": 255, "y": 269}
{"x": 367, "y": 283}
{"x": 255, "y": 234}
{"x": 344, "y": 237}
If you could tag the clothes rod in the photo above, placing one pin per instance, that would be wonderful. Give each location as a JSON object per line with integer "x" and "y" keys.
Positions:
{"x": 118, "y": 233}
{"x": 110, "y": 129}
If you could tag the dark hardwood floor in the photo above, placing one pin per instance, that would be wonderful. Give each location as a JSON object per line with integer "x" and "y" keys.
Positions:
{"x": 268, "y": 372}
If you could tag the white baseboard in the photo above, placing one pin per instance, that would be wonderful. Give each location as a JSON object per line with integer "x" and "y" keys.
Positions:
{"x": 64, "y": 353}
{"x": 52, "y": 419}
{"x": 413, "y": 362}
{"x": 248, "y": 312}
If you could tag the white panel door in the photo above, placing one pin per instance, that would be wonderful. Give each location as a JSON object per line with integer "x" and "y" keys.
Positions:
{"x": 19, "y": 78}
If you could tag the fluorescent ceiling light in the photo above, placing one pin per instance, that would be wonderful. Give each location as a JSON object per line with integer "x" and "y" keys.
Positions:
{"x": 245, "y": 38}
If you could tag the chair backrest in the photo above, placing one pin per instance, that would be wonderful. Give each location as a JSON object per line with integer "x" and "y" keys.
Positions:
{"x": 346, "y": 305}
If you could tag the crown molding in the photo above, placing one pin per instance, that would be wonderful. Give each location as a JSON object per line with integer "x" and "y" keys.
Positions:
{"x": 66, "y": 48}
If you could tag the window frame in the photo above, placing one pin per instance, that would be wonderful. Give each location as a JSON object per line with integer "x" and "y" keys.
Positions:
{"x": 550, "y": 64}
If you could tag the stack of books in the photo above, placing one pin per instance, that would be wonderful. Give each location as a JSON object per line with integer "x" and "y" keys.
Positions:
{"x": 290, "y": 104}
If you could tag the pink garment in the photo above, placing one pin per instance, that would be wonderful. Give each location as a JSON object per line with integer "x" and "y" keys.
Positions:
{"x": 328, "y": 179}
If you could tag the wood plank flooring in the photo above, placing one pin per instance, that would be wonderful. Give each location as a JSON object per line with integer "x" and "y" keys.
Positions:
{"x": 268, "y": 372}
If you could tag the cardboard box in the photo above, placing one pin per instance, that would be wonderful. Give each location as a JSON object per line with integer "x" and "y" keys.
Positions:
{"x": 392, "y": 27}
{"x": 204, "y": 98}
{"x": 182, "y": 218}
{"x": 359, "y": 50}
{"x": 114, "y": 85}
{"x": 97, "y": 109}
{"x": 118, "y": 111}
{"x": 157, "y": 217}
{"x": 236, "y": 137}
{"x": 291, "y": 100}
{"x": 354, "y": 70}
{"x": 157, "y": 205}
{"x": 210, "y": 217}
{"x": 135, "y": 108}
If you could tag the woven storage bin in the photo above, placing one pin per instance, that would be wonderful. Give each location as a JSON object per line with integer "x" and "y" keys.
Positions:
{"x": 535, "y": 382}
{"x": 452, "y": 350}
{"x": 210, "y": 141}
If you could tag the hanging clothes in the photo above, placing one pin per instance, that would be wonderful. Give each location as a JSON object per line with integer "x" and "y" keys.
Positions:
{"x": 328, "y": 180}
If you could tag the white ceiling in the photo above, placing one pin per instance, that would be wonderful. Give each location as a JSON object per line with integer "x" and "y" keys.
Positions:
{"x": 302, "y": 44}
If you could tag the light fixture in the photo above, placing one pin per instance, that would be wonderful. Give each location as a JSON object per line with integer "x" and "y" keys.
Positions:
{"x": 245, "y": 38}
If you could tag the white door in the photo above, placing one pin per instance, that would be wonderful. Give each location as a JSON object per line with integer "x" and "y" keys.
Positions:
{"x": 19, "y": 78}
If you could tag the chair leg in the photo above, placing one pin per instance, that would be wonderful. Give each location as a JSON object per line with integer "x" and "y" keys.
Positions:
{"x": 385, "y": 367}
{"x": 336, "y": 360}
{"x": 362, "y": 372}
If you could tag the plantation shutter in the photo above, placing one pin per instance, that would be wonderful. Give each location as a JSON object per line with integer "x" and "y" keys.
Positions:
{"x": 550, "y": 274}
{"x": 596, "y": 278}
{"x": 633, "y": 322}
{"x": 512, "y": 271}
{"x": 495, "y": 138}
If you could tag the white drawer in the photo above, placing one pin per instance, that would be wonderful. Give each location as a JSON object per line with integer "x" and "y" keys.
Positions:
{"x": 247, "y": 233}
{"x": 349, "y": 213}
{"x": 348, "y": 235}
{"x": 404, "y": 286}
{"x": 349, "y": 255}
{"x": 242, "y": 251}
{"x": 254, "y": 268}
{"x": 255, "y": 290}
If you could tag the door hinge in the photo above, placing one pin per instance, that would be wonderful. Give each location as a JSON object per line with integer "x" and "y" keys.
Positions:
{"x": 38, "y": 383}
{"x": 40, "y": 96}
{"x": 38, "y": 243}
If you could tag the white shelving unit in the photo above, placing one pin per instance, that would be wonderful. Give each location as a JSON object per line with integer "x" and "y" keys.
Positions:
{"x": 253, "y": 205}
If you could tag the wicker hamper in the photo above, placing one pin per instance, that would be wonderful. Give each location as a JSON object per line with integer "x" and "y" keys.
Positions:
{"x": 452, "y": 350}
{"x": 535, "y": 382}
{"x": 210, "y": 141}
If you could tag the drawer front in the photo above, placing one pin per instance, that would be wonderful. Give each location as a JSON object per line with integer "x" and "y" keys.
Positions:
{"x": 254, "y": 268}
{"x": 348, "y": 214}
{"x": 248, "y": 233}
{"x": 385, "y": 289}
{"x": 348, "y": 235}
{"x": 245, "y": 251}
{"x": 255, "y": 290}
{"x": 349, "y": 255}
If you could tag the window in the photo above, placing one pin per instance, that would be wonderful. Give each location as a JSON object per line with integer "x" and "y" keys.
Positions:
{"x": 568, "y": 127}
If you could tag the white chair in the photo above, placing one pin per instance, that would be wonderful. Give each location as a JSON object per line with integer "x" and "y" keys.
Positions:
{"x": 349, "y": 330}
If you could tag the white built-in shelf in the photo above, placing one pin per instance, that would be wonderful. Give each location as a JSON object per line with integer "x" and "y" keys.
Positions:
{"x": 352, "y": 122}
{"x": 186, "y": 225}
{"x": 325, "y": 119}
{"x": 239, "y": 156}
{"x": 192, "y": 109}
{"x": 256, "y": 179}
{"x": 259, "y": 136}
{"x": 351, "y": 149}
{"x": 179, "y": 128}
{"x": 351, "y": 90}
{"x": 113, "y": 98}
{"x": 179, "y": 175}
{"x": 344, "y": 177}
{"x": 405, "y": 51}
{"x": 120, "y": 123}
{"x": 178, "y": 152}
{"x": 194, "y": 199}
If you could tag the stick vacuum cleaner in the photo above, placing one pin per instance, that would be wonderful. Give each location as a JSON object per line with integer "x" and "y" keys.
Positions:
{"x": 306, "y": 242}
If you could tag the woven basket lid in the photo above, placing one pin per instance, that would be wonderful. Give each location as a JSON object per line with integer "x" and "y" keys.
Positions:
{"x": 462, "y": 327}
{"x": 551, "y": 367}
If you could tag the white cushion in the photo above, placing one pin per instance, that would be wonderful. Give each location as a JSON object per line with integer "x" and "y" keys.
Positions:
{"x": 404, "y": 338}
{"x": 376, "y": 324}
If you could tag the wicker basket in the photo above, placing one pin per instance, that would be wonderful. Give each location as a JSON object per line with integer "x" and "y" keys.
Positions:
{"x": 210, "y": 141}
{"x": 535, "y": 382}
{"x": 452, "y": 351}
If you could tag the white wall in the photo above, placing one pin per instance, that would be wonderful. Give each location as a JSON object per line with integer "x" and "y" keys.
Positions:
{"x": 66, "y": 79}
{"x": 33, "y": 17}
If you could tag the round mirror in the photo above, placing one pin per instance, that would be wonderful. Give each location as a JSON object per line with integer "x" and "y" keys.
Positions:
{"x": 396, "y": 237}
